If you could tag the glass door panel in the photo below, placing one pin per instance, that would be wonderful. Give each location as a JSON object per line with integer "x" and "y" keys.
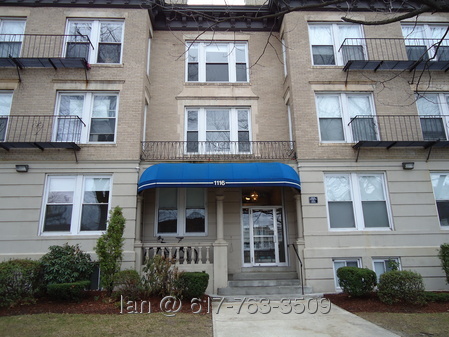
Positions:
{"x": 264, "y": 236}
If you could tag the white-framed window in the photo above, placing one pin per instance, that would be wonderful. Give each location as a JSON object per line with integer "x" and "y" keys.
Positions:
{"x": 218, "y": 130}
{"x": 217, "y": 62}
{"x": 440, "y": 184}
{"x": 357, "y": 201}
{"x": 349, "y": 262}
{"x": 423, "y": 41}
{"x": 98, "y": 112}
{"x": 11, "y": 36}
{"x": 346, "y": 117}
{"x": 5, "y": 109}
{"x": 433, "y": 109}
{"x": 77, "y": 204}
{"x": 326, "y": 43}
{"x": 106, "y": 40}
{"x": 383, "y": 265}
{"x": 181, "y": 211}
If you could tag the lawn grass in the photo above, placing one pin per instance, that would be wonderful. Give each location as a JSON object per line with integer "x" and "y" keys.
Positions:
{"x": 411, "y": 325}
{"x": 135, "y": 325}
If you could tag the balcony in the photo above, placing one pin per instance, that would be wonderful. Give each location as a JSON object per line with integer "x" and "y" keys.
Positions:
{"x": 40, "y": 131}
{"x": 400, "y": 131}
{"x": 44, "y": 51}
{"x": 218, "y": 151}
{"x": 394, "y": 54}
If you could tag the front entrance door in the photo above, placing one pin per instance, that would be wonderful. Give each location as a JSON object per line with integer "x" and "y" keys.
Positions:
{"x": 263, "y": 236}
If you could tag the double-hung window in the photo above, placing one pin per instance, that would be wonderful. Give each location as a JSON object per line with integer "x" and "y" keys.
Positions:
{"x": 5, "y": 108}
{"x": 86, "y": 117}
{"x": 440, "y": 183}
{"x": 346, "y": 117}
{"x": 336, "y": 44}
{"x": 11, "y": 37}
{"x": 357, "y": 201}
{"x": 425, "y": 41}
{"x": 76, "y": 204}
{"x": 98, "y": 41}
{"x": 338, "y": 263}
{"x": 434, "y": 113}
{"x": 217, "y": 62}
{"x": 382, "y": 266}
{"x": 217, "y": 130}
{"x": 181, "y": 211}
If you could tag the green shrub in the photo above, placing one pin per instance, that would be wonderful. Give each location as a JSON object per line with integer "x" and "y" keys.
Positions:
{"x": 20, "y": 281}
{"x": 109, "y": 249}
{"x": 436, "y": 297}
{"x": 401, "y": 286}
{"x": 193, "y": 284}
{"x": 357, "y": 281}
{"x": 127, "y": 283}
{"x": 66, "y": 264}
{"x": 443, "y": 254}
{"x": 73, "y": 291}
{"x": 161, "y": 277}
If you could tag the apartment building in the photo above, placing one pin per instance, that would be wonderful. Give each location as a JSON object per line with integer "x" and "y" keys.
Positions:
{"x": 251, "y": 149}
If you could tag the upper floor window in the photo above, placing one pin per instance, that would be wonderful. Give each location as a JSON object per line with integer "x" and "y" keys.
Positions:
{"x": 433, "y": 111}
{"x": 106, "y": 37}
{"x": 181, "y": 211}
{"x": 346, "y": 117}
{"x": 11, "y": 37}
{"x": 440, "y": 183}
{"x": 217, "y": 62}
{"x": 326, "y": 40}
{"x": 76, "y": 204}
{"x": 5, "y": 108}
{"x": 357, "y": 201}
{"x": 97, "y": 110}
{"x": 423, "y": 41}
{"x": 217, "y": 130}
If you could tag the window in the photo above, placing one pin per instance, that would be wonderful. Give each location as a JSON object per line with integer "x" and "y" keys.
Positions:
{"x": 421, "y": 41}
{"x": 357, "y": 201}
{"x": 11, "y": 37}
{"x": 217, "y": 62}
{"x": 105, "y": 37}
{"x": 98, "y": 111}
{"x": 76, "y": 204}
{"x": 381, "y": 265}
{"x": 344, "y": 263}
{"x": 181, "y": 211}
{"x": 326, "y": 39}
{"x": 346, "y": 117}
{"x": 440, "y": 183}
{"x": 217, "y": 130}
{"x": 433, "y": 112}
{"x": 5, "y": 108}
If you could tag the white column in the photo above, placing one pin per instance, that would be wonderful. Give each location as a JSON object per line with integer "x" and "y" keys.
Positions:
{"x": 138, "y": 234}
{"x": 300, "y": 243}
{"x": 299, "y": 223}
{"x": 220, "y": 249}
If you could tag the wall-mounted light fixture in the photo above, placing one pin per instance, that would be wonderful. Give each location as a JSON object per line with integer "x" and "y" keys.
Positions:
{"x": 408, "y": 165}
{"x": 22, "y": 168}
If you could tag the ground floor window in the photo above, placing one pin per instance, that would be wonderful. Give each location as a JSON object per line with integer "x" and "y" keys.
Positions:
{"x": 181, "y": 211}
{"x": 383, "y": 265}
{"x": 355, "y": 262}
{"x": 440, "y": 183}
{"x": 76, "y": 204}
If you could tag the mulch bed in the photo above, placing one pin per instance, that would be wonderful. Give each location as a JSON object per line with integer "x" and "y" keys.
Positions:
{"x": 96, "y": 302}
{"x": 371, "y": 303}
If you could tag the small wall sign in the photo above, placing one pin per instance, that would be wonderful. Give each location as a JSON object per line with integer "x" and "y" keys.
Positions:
{"x": 313, "y": 200}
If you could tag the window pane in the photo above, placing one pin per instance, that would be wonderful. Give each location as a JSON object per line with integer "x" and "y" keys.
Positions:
{"x": 109, "y": 53}
{"x": 168, "y": 198}
{"x": 5, "y": 104}
{"x": 71, "y": 105}
{"x": 321, "y": 35}
{"x": 328, "y": 106}
{"x": 79, "y": 28}
{"x": 243, "y": 120}
{"x": 217, "y": 120}
{"x": 363, "y": 128}
{"x": 375, "y": 214}
{"x": 331, "y": 129}
{"x": 217, "y": 72}
{"x": 193, "y": 53}
{"x": 352, "y": 264}
{"x": 338, "y": 188}
{"x": 217, "y": 53}
{"x": 440, "y": 183}
{"x": 323, "y": 55}
{"x": 341, "y": 215}
{"x": 192, "y": 72}
{"x": 167, "y": 221}
{"x": 192, "y": 120}
{"x": 443, "y": 212}
{"x": 195, "y": 220}
{"x": 443, "y": 53}
{"x": 241, "y": 72}
{"x": 102, "y": 130}
{"x": 78, "y": 49}
{"x": 8, "y": 49}
{"x": 61, "y": 190}
{"x": 428, "y": 105}
{"x": 414, "y": 53}
{"x": 433, "y": 128}
{"x": 111, "y": 32}
{"x": 240, "y": 53}
{"x": 97, "y": 185}
{"x": 194, "y": 198}
{"x": 371, "y": 188}
{"x": 244, "y": 144}
{"x": 58, "y": 218}
{"x": 192, "y": 141}
{"x": 104, "y": 106}
{"x": 3, "y": 126}
{"x": 94, "y": 217}
{"x": 379, "y": 268}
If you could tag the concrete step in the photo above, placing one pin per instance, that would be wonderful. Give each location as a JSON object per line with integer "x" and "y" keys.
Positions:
{"x": 264, "y": 283}
{"x": 262, "y": 275}
{"x": 270, "y": 290}
{"x": 258, "y": 298}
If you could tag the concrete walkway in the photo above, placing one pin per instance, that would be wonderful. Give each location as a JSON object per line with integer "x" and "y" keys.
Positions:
{"x": 308, "y": 317}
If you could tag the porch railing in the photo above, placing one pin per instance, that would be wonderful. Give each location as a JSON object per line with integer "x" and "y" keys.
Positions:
{"x": 217, "y": 150}
{"x": 181, "y": 253}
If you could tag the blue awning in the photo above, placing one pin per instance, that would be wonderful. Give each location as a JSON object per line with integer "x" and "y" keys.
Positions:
{"x": 219, "y": 175}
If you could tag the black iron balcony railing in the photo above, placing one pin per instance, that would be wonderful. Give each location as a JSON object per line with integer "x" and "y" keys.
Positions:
{"x": 395, "y": 53}
{"x": 40, "y": 131}
{"x": 400, "y": 130}
{"x": 39, "y": 50}
{"x": 220, "y": 150}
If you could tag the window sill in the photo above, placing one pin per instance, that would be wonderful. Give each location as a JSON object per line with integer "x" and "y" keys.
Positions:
{"x": 226, "y": 84}
{"x": 107, "y": 65}
{"x": 361, "y": 231}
